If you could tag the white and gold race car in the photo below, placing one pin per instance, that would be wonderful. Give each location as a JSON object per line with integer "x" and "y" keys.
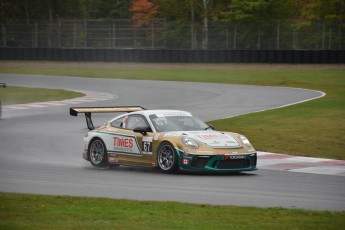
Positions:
{"x": 168, "y": 139}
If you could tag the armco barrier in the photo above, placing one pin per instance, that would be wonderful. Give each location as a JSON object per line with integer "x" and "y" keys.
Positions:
{"x": 176, "y": 56}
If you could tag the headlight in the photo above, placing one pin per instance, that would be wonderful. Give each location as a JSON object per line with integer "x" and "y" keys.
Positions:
{"x": 189, "y": 142}
{"x": 245, "y": 141}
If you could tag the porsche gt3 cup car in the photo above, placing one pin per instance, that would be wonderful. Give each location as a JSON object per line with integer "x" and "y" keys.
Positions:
{"x": 168, "y": 139}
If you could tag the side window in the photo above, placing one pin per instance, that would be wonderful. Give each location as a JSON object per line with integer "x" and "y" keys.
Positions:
{"x": 135, "y": 121}
{"x": 131, "y": 122}
{"x": 119, "y": 123}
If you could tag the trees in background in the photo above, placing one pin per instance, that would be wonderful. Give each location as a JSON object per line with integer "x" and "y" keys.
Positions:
{"x": 243, "y": 19}
{"x": 143, "y": 11}
{"x": 174, "y": 10}
{"x": 31, "y": 10}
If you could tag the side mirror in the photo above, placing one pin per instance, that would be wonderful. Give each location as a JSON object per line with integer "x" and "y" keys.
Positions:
{"x": 211, "y": 126}
{"x": 142, "y": 130}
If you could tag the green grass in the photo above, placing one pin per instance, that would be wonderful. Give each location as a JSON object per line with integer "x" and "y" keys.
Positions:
{"x": 20, "y": 95}
{"x": 65, "y": 212}
{"x": 315, "y": 128}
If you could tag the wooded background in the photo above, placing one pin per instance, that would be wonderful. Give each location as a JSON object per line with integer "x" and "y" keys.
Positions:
{"x": 174, "y": 24}
{"x": 302, "y": 11}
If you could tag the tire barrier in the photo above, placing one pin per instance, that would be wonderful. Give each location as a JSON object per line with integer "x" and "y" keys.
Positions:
{"x": 175, "y": 56}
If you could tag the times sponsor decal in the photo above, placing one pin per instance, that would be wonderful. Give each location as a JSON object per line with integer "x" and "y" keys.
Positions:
{"x": 121, "y": 143}
{"x": 215, "y": 139}
{"x": 125, "y": 144}
{"x": 211, "y": 136}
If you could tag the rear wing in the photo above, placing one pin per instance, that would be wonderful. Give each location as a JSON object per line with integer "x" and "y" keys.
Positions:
{"x": 89, "y": 110}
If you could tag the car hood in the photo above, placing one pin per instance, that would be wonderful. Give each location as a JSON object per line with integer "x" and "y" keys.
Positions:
{"x": 212, "y": 138}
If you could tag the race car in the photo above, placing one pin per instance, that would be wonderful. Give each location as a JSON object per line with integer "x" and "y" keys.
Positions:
{"x": 171, "y": 140}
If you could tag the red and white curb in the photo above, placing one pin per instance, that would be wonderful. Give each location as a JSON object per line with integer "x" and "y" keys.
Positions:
{"x": 291, "y": 163}
{"x": 90, "y": 96}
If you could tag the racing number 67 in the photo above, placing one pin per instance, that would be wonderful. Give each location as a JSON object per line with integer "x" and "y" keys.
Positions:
{"x": 147, "y": 147}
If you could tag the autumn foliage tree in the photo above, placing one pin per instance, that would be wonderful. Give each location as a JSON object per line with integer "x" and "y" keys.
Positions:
{"x": 143, "y": 11}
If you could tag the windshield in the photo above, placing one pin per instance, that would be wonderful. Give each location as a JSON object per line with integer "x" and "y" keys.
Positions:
{"x": 177, "y": 123}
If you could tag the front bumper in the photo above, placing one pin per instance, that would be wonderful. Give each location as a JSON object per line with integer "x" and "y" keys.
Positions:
{"x": 217, "y": 163}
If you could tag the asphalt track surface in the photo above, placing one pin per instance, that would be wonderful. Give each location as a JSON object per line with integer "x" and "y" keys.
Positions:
{"x": 40, "y": 148}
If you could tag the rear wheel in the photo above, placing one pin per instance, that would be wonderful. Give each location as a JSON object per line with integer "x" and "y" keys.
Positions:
{"x": 167, "y": 158}
{"x": 98, "y": 153}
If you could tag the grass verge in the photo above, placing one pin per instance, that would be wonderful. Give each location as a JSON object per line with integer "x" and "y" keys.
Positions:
{"x": 20, "y": 95}
{"x": 315, "y": 128}
{"x": 65, "y": 212}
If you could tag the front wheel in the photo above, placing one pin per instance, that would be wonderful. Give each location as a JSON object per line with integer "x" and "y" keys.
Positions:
{"x": 98, "y": 153}
{"x": 166, "y": 158}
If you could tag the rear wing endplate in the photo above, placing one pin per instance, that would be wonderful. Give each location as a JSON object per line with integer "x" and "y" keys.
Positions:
{"x": 89, "y": 110}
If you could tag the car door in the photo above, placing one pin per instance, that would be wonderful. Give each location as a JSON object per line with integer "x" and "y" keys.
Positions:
{"x": 133, "y": 147}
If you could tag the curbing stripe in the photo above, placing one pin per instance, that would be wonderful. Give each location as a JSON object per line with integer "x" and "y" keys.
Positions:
{"x": 90, "y": 96}
{"x": 275, "y": 161}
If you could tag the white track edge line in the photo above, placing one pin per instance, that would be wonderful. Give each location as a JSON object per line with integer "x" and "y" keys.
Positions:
{"x": 290, "y": 104}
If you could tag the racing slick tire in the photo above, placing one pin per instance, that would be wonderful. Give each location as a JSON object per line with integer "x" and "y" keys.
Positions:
{"x": 166, "y": 158}
{"x": 97, "y": 153}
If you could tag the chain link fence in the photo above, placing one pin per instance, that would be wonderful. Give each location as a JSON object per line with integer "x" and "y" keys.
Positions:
{"x": 162, "y": 34}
